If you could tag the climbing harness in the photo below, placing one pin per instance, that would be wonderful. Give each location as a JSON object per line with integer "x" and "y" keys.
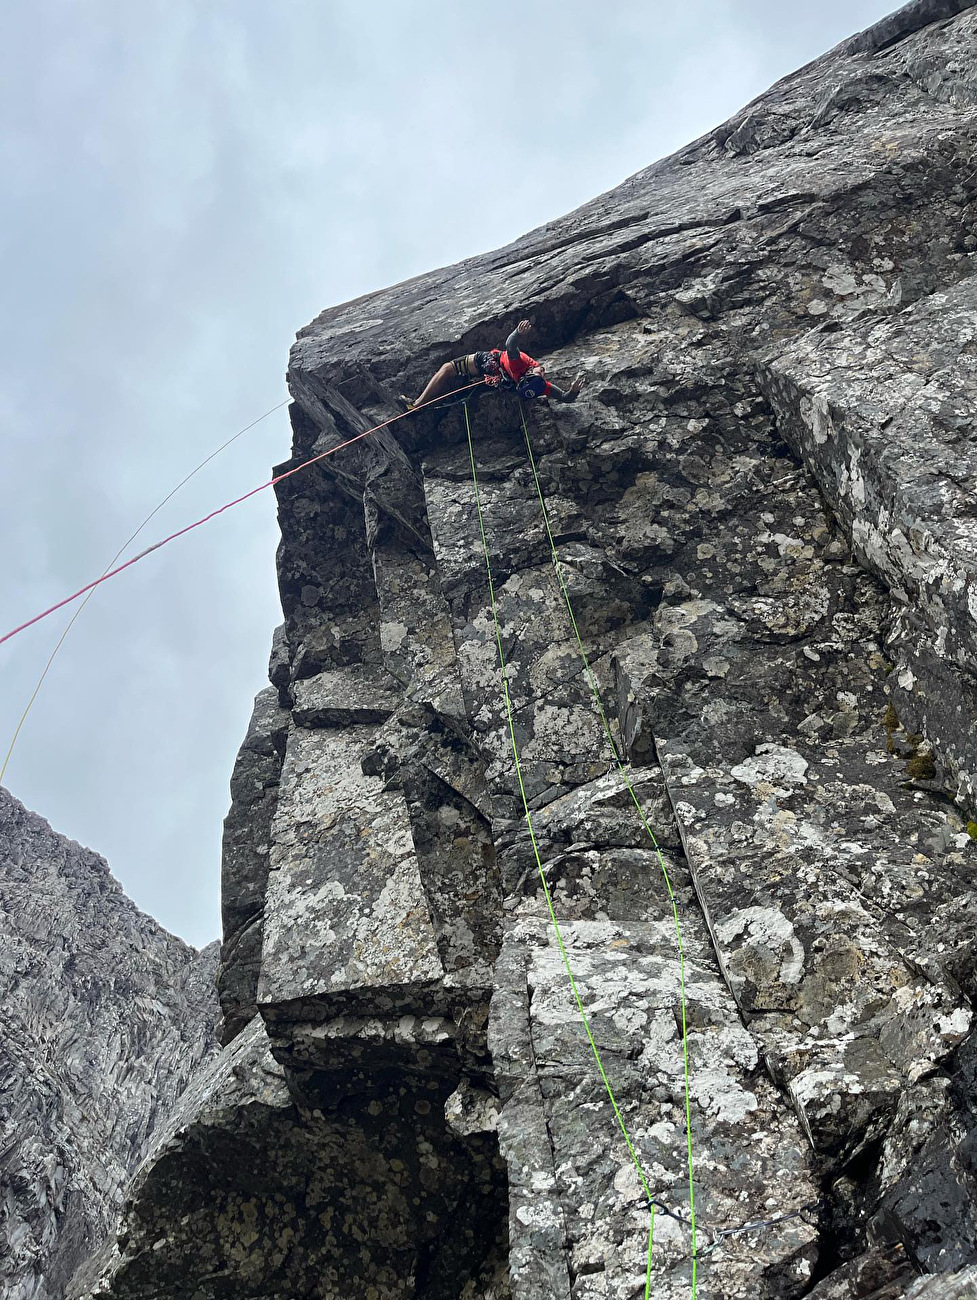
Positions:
{"x": 124, "y": 547}
{"x": 497, "y": 376}
{"x": 111, "y": 573}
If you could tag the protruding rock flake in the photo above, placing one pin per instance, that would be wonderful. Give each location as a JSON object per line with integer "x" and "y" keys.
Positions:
{"x": 764, "y": 878}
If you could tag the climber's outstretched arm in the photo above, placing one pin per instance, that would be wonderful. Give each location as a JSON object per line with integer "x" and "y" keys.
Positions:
{"x": 513, "y": 344}
{"x": 568, "y": 395}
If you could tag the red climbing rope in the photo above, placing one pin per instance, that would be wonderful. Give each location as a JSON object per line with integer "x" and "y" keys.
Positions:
{"x": 220, "y": 510}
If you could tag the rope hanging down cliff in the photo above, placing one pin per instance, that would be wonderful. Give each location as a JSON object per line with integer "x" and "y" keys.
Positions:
{"x": 715, "y": 1236}
{"x": 90, "y": 586}
{"x": 622, "y": 768}
{"x": 629, "y": 1143}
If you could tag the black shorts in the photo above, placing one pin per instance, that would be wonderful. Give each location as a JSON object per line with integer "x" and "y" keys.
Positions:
{"x": 475, "y": 365}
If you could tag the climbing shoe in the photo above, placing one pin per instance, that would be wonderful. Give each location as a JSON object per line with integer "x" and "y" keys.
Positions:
{"x": 405, "y": 403}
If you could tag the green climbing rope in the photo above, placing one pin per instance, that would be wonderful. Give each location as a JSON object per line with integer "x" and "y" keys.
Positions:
{"x": 622, "y": 767}
{"x": 542, "y": 873}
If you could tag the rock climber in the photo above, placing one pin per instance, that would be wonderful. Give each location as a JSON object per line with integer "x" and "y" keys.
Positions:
{"x": 507, "y": 367}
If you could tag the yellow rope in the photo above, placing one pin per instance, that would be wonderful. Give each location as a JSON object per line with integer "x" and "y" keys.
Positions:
{"x": 542, "y": 873}
{"x": 595, "y": 692}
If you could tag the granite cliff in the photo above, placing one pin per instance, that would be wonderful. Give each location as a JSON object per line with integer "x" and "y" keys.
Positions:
{"x": 764, "y": 509}
{"x": 103, "y": 1018}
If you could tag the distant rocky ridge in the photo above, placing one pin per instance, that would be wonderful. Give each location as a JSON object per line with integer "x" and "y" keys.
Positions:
{"x": 104, "y": 1017}
{"x": 764, "y": 508}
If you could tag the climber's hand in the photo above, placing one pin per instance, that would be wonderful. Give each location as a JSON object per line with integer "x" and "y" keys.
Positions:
{"x": 524, "y": 326}
{"x": 578, "y": 383}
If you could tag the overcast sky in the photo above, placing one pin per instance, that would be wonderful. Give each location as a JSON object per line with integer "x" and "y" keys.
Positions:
{"x": 185, "y": 184}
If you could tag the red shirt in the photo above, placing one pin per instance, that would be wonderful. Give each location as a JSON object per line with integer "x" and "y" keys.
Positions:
{"x": 516, "y": 369}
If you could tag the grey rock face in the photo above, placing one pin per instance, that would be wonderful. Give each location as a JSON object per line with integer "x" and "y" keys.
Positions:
{"x": 960, "y": 1286}
{"x": 762, "y": 507}
{"x": 895, "y": 401}
{"x": 103, "y": 1018}
{"x": 281, "y": 1198}
{"x": 254, "y": 796}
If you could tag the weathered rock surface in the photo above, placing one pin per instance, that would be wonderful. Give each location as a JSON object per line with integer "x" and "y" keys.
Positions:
{"x": 275, "y": 1196}
{"x": 247, "y": 842}
{"x": 895, "y": 401}
{"x": 103, "y": 1018}
{"x": 763, "y": 507}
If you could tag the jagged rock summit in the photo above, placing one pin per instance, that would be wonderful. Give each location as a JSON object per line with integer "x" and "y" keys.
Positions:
{"x": 103, "y": 1018}
{"x": 763, "y": 508}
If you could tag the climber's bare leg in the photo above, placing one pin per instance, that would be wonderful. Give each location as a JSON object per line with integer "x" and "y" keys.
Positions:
{"x": 448, "y": 377}
{"x": 440, "y": 382}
